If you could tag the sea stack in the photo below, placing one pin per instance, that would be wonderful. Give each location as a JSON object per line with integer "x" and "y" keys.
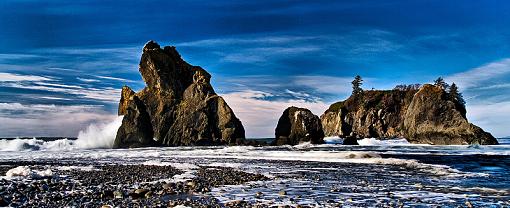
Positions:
{"x": 298, "y": 125}
{"x": 423, "y": 115}
{"x": 177, "y": 107}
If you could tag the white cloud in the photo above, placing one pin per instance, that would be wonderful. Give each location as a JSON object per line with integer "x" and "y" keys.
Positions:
{"x": 114, "y": 78}
{"x": 10, "y": 77}
{"x": 87, "y": 80}
{"x": 486, "y": 92}
{"x": 325, "y": 84}
{"x": 58, "y": 85}
{"x": 53, "y": 98}
{"x": 260, "y": 116}
{"x": 107, "y": 94}
{"x": 262, "y": 50}
{"x": 478, "y": 76}
{"x": 492, "y": 117}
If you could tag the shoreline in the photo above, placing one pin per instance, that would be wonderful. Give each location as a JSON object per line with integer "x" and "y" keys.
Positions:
{"x": 116, "y": 185}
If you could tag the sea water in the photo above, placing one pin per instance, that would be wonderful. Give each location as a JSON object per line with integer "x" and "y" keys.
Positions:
{"x": 376, "y": 172}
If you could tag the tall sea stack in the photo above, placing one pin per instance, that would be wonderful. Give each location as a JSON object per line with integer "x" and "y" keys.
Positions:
{"x": 177, "y": 107}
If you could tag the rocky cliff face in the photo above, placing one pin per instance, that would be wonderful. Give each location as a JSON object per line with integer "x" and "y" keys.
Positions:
{"x": 298, "y": 125}
{"x": 421, "y": 116}
{"x": 177, "y": 107}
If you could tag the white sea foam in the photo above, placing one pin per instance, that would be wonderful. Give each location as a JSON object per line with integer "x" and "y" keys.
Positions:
{"x": 227, "y": 165}
{"x": 26, "y": 172}
{"x": 180, "y": 166}
{"x": 370, "y": 141}
{"x": 99, "y": 135}
{"x": 333, "y": 140}
{"x": 34, "y": 144}
{"x": 181, "y": 206}
{"x": 386, "y": 142}
{"x": 73, "y": 167}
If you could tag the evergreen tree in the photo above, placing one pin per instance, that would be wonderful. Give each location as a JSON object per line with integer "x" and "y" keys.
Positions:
{"x": 455, "y": 95}
{"x": 356, "y": 85}
{"x": 441, "y": 83}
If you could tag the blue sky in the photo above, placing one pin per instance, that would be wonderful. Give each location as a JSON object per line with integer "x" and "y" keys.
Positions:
{"x": 62, "y": 63}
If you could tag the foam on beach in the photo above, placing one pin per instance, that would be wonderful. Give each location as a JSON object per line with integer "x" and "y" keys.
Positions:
{"x": 26, "y": 172}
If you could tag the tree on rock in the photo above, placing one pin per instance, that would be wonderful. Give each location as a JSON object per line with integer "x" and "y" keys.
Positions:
{"x": 441, "y": 83}
{"x": 356, "y": 85}
{"x": 455, "y": 95}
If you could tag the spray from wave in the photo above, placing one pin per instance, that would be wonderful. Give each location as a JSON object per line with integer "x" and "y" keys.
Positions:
{"x": 95, "y": 136}
{"x": 99, "y": 136}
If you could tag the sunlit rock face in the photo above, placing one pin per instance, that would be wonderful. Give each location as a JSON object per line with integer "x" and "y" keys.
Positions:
{"x": 178, "y": 105}
{"x": 423, "y": 115}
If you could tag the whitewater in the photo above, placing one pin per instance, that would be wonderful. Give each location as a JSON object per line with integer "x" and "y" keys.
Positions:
{"x": 313, "y": 175}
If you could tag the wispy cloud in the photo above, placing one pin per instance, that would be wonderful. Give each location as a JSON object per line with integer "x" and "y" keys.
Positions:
{"x": 106, "y": 94}
{"x": 492, "y": 117}
{"x": 10, "y": 77}
{"x": 326, "y": 84}
{"x": 478, "y": 77}
{"x": 266, "y": 49}
{"x": 264, "y": 54}
{"x": 220, "y": 42}
{"x": 114, "y": 78}
{"x": 487, "y": 93}
{"x": 87, "y": 80}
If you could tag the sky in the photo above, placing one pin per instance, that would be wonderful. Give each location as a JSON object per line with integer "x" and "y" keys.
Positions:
{"x": 63, "y": 63}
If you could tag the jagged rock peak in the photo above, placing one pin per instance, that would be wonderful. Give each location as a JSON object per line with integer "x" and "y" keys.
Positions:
{"x": 179, "y": 102}
{"x": 151, "y": 45}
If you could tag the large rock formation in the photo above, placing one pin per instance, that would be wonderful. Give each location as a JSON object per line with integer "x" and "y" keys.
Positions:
{"x": 177, "y": 107}
{"x": 298, "y": 125}
{"x": 423, "y": 115}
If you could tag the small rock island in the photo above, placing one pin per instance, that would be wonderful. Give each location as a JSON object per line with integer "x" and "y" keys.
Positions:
{"x": 178, "y": 106}
{"x": 298, "y": 125}
{"x": 425, "y": 114}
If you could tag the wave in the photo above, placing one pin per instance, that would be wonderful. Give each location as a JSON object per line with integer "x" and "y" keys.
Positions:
{"x": 96, "y": 136}
{"x": 370, "y": 141}
{"x": 384, "y": 142}
{"x": 333, "y": 140}
{"x": 99, "y": 135}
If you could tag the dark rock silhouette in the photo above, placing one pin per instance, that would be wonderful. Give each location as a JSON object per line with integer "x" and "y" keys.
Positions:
{"x": 298, "y": 125}
{"x": 424, "y": 116}
{"x": 177, "y": 107}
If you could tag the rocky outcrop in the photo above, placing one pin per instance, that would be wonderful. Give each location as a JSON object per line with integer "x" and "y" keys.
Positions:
{"x": 432, "y": 119}
{"x": 423, "y": 115}
{"x": 298, "y": 125}
{"x": 177, "y": 107}
{"x": 136, "y": 130}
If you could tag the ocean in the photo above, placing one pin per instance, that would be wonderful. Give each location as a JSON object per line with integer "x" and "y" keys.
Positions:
{"x": 375, "y": 173}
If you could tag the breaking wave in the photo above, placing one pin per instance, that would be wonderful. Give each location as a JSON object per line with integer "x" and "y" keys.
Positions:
{"x": 99, "y": 136}
{"x": 94, "y": 137}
